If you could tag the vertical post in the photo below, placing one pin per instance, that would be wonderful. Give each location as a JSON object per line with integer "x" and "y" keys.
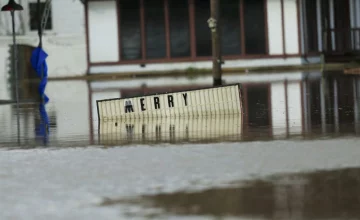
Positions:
{"x": 214, "y": 26}
{"x": 356, "y": 104}
{"x": 38, "y": 17}
{"x": 336, "y": 106}
{"x": 39, "y": 26}
{"x": 15, "y": 59}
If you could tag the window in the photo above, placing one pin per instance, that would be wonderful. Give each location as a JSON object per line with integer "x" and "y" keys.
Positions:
{"x": 33, "y": 17}
{"x": 179, "y": 28}
{"x": 145, "y": 33}
{"x": 130, "y": 30}
{"x": 155, "y": 29}
{"x": 202, "y": 30}
{"x": 311, "y": 25}
{"x": 254, "y": 22}
{"x": 230, "y": 25}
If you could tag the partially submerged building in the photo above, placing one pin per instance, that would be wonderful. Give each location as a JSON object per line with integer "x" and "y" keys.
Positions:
{"x": 165, "y": 35}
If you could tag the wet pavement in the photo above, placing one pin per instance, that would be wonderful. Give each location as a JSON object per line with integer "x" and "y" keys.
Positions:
{"x": 293, "y": 154}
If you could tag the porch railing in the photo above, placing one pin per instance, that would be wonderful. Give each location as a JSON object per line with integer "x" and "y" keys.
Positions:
{"x": 341, "y": 40}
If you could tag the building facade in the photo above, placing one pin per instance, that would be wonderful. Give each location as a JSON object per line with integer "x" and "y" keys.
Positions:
{"x": 64, "y": 35}
{"x": 163, "y": 35}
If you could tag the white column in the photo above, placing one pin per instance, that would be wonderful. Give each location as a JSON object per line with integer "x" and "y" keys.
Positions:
{"x": 319, "y": 24}
{"x": 332, "y": 24}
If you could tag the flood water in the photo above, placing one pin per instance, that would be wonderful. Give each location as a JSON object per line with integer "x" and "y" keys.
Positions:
{"x": 293, "y": 154}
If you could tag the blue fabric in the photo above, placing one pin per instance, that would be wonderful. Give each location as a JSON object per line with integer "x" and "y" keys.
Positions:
{"x": 38, "y": 63}
{"x": 42, "y": 129}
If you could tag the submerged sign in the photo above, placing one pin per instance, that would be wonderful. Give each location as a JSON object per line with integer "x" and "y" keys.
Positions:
{"x": 209, "y": 101}
{"x": 156, "y": 103}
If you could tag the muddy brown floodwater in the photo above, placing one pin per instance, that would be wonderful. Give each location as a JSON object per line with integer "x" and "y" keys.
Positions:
{"x": 333, "y": 194}
{"x": 293, "y": 153}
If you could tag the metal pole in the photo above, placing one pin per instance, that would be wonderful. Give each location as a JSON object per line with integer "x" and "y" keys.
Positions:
{"x": 38, "y": 9}
{"x": 215, "y": 37}
{"x": 15, "y": 59}
{"x": 356, "y": 105}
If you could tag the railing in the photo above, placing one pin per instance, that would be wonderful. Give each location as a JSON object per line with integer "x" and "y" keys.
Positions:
{"x": 341, "y": 40}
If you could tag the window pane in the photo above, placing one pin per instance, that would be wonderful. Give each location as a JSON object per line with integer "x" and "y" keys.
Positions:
{"x": 230, "y": 38}
{"x": 155, "y": 29}
{"x": 130, "y": 34}
{"x": 203, "y": 35}
{"x": 342, "y": 24}
{"x": 33, "y": 16}
{"x": 311, "y": 24}
{"x": 254, "y": 21}
{"x": 179, "y": 28}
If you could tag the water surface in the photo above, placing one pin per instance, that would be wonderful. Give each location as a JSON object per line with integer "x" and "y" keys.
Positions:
{"x": 293, "y": 155}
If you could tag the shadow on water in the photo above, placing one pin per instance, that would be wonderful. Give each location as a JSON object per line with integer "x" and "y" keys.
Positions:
{"x": 331, "y": 194}
{"x": 296, "y": 105}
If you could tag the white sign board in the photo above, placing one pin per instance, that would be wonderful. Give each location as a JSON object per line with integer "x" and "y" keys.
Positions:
{"x": 170, "y": 129}
{"x": 221, "y": 100}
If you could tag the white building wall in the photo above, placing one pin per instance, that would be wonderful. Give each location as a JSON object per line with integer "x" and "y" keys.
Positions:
{"x": 103, "y": 31}
{"x": 67, "y": 18}
{"x": 104, "y": 43}
{"x": 294, "y": 107}
{"x": 274, "y": 17}
{"x": 278, "y": 108}
{"x": 274, "y": 27}
{"x": 65, "y": 43}
{"x": 291, "y": 27}
{"x": 72, "y": 111}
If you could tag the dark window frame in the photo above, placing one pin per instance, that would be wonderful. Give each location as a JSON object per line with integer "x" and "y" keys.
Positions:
{"x": 33, "y": 20}
{"x": 192, "y": 38}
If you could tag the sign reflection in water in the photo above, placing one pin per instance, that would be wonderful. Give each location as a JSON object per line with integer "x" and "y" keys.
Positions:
{"x": 274, "y": 105}
{"x": 171, "y": 130}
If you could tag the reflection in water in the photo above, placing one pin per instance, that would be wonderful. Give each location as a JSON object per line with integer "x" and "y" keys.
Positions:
{"x": 331, "y": 194}
{"x": 172, "y": 130}
{"x": 42, "y": 127}
{"x": 275, "y": 106}
{"x": 307, "y": 105}
{"x": 66, "y": 118}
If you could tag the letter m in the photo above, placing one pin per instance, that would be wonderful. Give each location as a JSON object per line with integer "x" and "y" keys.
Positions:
{"x": 128, "y": 106}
